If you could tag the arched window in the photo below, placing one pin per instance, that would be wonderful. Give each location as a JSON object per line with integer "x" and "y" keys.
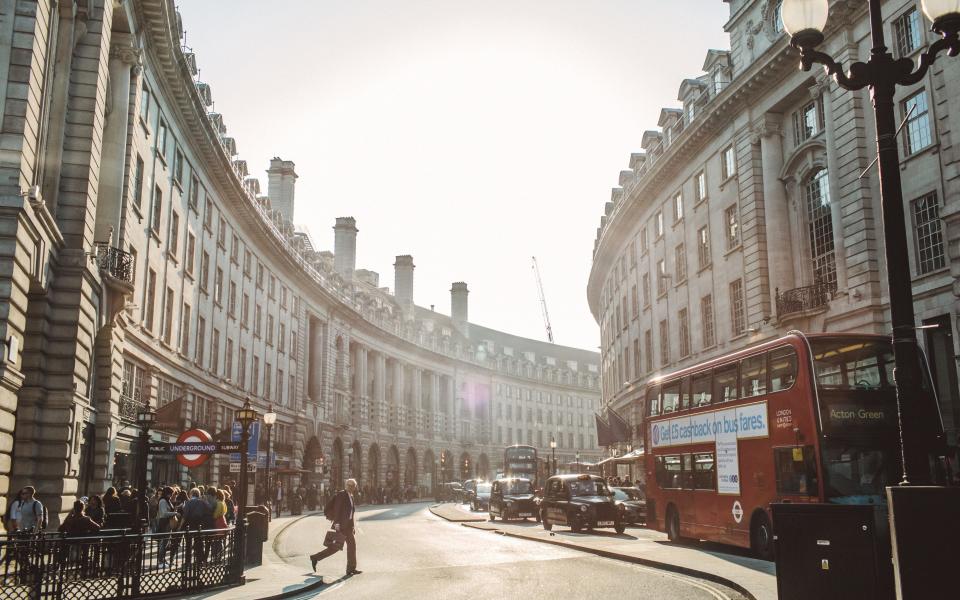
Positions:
{"x": 820, "y": 227}
{"x": 778, "y": 17}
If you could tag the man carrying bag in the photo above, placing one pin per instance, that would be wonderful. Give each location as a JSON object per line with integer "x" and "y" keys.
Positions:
{"x": 340, "y": 510}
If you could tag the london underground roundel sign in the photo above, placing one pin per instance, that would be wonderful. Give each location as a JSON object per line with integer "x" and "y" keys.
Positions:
{"x": 193, "y": 436}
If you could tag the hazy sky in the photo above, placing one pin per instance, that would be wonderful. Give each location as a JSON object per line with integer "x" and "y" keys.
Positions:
{"x": 472, "y": 135}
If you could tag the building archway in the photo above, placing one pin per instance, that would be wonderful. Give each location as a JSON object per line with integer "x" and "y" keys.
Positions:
{"x": 466, "y": 466}
{"x": 393, "y": 468}
{"x": 447, "y": 469}
{"x": 356, "y": 462}
{"x": 373, "y": 466}
{"x": 311, "y": 462}
{"x": 410, "y": 471}
{"x": 430, "y": 476}
{"x": 483, "y": 467}
{"x": 336, "y": 469}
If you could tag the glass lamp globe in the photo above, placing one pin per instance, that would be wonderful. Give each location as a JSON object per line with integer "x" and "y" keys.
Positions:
{"x": 805, "y": 20}
{"x": 944, "y": 14}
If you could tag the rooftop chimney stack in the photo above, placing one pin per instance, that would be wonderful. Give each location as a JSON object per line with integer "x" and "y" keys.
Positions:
{"x": 280, "y": 182}
{"x": 458, "y": 307}
{"x": 403, "y": 282}
{"x": 345, "y": 247}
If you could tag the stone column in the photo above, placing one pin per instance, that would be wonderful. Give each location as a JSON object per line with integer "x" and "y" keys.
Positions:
{"x": 397, "y": 383}
{"x": 776, "y": 211}
{"x": 822, "y": 89}
{"x": 379, "y": 377}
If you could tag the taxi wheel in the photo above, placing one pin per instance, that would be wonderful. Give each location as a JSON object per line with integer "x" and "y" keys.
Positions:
{"x": 547, "y": 525}
{"x": 575, "y": 525}
{"x": 620, "y": 527}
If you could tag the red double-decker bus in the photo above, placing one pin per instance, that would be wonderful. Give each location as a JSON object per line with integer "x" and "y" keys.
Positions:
{"x": 804, "y": 418}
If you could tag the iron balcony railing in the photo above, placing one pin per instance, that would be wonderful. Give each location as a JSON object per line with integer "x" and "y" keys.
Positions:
{"x": 806, "y": 298}
{"x": 115, "y": 262}
{"x": 118, "y": 564}
{"x": 129, "y": 407}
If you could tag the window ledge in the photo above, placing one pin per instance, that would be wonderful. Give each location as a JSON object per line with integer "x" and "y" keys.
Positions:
{"x": 677, "y": 223}
{"x": 188, "y": 274}
{"x": 172, "y": 255}
{"x": 933, "y": 148}
{"x": 177, "y": 184}
{"x": 698, "y": 203}
{"x": 146, "y": 128}
{"x": 682, "y": 282}
{"x": 705, "y": 267}
{"x": 161, "y": 157}
{"x": 945, "y": 270}
{"x": 734, "y": 177}
{"x": 739, "y": 246}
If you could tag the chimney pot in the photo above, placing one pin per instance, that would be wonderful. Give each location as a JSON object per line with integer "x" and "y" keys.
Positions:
{"x": 459, "y": 306}
{"x": 345, "y": 246}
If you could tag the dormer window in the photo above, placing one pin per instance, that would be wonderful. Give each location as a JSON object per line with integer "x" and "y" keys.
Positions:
{"x": 778, "y": 17}
{"x": 691, "y": 111}
{"x": 718, "y": 81}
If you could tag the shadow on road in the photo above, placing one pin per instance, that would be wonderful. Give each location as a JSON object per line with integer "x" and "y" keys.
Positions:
{"x": 387, "y": 512}
{"x": 733, "y": 554}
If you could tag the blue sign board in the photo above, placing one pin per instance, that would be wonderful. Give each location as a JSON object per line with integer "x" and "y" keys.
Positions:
{"x": 236, "y": 433}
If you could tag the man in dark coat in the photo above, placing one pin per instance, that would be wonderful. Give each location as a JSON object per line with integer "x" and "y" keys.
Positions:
{"x": 342, "y": 522}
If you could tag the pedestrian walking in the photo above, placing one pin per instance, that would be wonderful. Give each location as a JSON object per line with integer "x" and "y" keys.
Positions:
{"x": 166, "y": 520}
{"x": 11, "y": 519}
{"x": 341, "y": 511}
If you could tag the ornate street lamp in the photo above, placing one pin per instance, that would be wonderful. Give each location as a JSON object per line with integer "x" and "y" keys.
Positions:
{"x": 553, "y": 454}
{"x": 578, "y": 461}
{"x": 146, "y": 417}
{"x": 269, "y": 418}
{"x": 805, "y": 21}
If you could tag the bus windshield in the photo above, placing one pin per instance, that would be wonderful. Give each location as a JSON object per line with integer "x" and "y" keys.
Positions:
{"x": 857, "y": 474}
{"x": 852, "y": 365}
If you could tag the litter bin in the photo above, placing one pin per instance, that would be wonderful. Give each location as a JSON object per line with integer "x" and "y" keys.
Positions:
{"x": 832, "y": 552}
{"x": 257, "y": 529}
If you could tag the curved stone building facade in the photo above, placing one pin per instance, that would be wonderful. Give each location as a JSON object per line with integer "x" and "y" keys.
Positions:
{"x": 754, "y": 208}
{"x": 144, "y": 266}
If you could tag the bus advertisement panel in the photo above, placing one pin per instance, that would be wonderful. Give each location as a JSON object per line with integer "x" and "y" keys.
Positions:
{"x": 805, "y": 418}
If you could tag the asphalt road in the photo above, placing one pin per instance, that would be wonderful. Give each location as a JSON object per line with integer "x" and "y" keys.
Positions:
{"x": 406, "y": 552}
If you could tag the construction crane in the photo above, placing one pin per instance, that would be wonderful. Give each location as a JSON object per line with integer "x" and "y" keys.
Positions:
{"x": 543, "y": 301}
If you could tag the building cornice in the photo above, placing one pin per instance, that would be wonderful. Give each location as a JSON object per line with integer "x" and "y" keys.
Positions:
{"x": 762, "y": 76}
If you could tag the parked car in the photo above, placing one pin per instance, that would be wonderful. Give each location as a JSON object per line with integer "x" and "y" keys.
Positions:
{"x": 631, "y": 504}
{"x": 480, "y": 499}
{"x": 449, "y": 492}
{"x": 580, "y": 502}
{"x": 469, "y": 486}
{"x": 512, "y": 499}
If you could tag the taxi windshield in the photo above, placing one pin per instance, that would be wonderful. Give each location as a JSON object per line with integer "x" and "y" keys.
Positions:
{"x": 588, "y": 487}
{"x": 517, "y": 487}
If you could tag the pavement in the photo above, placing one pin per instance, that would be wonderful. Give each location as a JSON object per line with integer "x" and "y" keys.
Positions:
{"x": 274, "y": 578}
{"x": 755, "y": 579}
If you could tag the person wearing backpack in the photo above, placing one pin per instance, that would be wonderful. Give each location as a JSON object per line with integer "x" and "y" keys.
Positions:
{"x": 33, "y": 516}
{"x": 339, "y": 510}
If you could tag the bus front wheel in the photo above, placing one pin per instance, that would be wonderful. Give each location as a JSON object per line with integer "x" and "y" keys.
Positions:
{"x": 761, "y": 536}
{"x": 673, "y": 525}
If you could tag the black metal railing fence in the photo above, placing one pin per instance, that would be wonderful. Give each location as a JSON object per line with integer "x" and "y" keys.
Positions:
{"x": 118, "y": 564}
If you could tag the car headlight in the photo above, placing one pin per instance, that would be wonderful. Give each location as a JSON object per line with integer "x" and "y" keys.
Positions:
{"x": 583, "y": 508}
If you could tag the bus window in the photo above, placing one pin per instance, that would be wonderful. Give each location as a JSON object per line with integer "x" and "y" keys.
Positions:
{"x": 702, "y": 392}
{"x": 687, "y": 472}
{"x": 685, "y": 393}
{"x": 796, "y": 471}
{"x": 668, "y": 471}
{"x": 705, "y": 472}
{"x": 753, "y": 376}
{"x": 671, "y": 397}
{"x": 653, "y": 400}
{"x": 725, "y": 383}
{"x": 783, "y": 368}
{"x": 856, "y": 365}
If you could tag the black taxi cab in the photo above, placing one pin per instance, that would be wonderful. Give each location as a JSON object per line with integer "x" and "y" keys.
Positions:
{"x": 512, "y": 498}
{"x": 580, "y": 502}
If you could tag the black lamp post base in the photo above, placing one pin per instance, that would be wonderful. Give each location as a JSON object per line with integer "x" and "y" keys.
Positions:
{"x": 924, "y": 529}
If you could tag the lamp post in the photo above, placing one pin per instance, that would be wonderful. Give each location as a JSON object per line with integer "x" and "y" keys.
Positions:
{"x": 553, "y": 454}
{"x": 146, "y": 417}
{"x": 247, "y": 417}
{"x": 578, "y": 460}
{"x": 805, "y": 20}
{"x": 269, "y": 418}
